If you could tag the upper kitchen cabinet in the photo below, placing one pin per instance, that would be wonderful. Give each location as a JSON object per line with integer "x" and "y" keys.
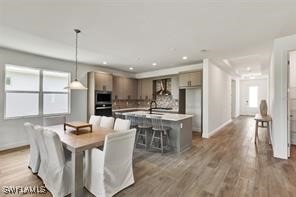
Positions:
{"x": 124, "y": 88}
{"x": 191, "y": 79}
{"x": 131, "y": 88}
{"x": 103, "y": 81}
{"x": 145, "y": 89}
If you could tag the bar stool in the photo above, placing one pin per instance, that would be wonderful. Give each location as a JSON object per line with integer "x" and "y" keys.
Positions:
{"x": 144, "y": 127}
{"x": 160, "y": 137}
{"x": 132, "y": 119}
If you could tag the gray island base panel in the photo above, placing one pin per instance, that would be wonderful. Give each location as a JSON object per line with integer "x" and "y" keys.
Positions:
{"x": 180, "y": 134}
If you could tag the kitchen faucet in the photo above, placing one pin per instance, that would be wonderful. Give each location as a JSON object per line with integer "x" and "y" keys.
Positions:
{"x": 150, "y": 109}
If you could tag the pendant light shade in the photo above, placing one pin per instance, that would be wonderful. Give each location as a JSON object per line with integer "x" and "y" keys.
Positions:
{"x": 76, "y": 85}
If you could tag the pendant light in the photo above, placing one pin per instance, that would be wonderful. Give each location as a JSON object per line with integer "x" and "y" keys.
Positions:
{"x": 76, "y": 85}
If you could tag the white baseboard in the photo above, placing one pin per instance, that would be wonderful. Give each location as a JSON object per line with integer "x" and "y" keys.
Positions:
{"x": 213, "y": 132}
{"x": 14, "y": 145}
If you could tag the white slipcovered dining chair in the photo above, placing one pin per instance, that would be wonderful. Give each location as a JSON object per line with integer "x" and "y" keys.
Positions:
{"x": 122, "y": 125}
{"x": 109, "y": 171}
{"x": 95, "y": 121}
{"x": 34, "y": 161}
{"x": 43, "y": 152}
{"x": 58, "y": 170}
{"x": 107, "y": 122}
{"x": 54, "y": 120}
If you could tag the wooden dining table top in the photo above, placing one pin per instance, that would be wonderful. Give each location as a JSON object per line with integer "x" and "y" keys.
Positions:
{"x": 84, "y": 140}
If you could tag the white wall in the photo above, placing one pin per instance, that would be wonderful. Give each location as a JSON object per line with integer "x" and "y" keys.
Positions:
{"x": 244, "y": 90}
{"x": 193, "y": 106}
{"x": 235, "y": 100}
{"x": 278, "y": 94}
{"x": 12, "y": 131}
{"x": 216, "y": 98}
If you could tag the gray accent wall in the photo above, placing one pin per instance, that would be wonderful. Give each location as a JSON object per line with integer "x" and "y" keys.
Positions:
{"x": 11, "y": 131}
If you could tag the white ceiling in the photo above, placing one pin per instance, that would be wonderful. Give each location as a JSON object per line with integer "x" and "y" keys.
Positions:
{"x": 139, "y": 32}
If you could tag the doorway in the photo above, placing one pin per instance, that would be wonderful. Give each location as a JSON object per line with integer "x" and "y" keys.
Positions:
{"x": 252, "y": 91}
{"x": 292, "y": 103}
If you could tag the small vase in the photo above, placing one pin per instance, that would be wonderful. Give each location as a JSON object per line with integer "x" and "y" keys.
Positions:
{"x": 263, "y": 108}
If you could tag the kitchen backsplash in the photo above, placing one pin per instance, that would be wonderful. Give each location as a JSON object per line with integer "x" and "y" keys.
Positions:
{"x": 164, "y": 101}
{"x": 167, "y": 101}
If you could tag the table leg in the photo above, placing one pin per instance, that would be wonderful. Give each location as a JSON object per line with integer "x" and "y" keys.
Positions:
{"x": 268, "y": 133}
{"x": 77, "y": 174}
{"x": 256, "y": 131}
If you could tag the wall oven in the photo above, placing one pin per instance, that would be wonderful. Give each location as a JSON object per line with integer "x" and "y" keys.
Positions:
{"x": 103, "y": 97}
{"x": 103, "y": 103}
{"x": 103, "y": 110}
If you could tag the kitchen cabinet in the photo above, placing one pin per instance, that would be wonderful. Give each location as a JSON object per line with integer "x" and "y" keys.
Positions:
{"x": 131, "y": 88}
{"x": 96, "y": 81}
{"x": 191, "y": 79}
{"x": 103, "y": 81}
{"x": 124, "y": 88}
{"x": 145, "y": 89}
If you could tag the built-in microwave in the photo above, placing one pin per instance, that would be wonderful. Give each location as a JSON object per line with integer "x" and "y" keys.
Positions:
{"x": 103, "y": 97}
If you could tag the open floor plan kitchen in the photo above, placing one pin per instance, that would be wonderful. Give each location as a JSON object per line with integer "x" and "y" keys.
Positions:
{"x": 147, "y": 98}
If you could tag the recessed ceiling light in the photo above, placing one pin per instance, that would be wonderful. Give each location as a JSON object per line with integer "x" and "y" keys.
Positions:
{"x": 248, "y": 68}
{"x": 154, "y": 64}
{"x": 104, "y": 62}
{"x": 184, "y": 58}
{"x": 204, "y": 50}
{"x": 226, "y": 61}
{"x": 131, "y": 68}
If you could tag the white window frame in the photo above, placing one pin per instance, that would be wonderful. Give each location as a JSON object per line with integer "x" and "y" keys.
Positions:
{"x": 40, "y": 93}
{"x": 52, "y": 92}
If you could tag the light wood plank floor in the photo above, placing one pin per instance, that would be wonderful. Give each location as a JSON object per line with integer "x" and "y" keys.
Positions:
{"x": 228, "y": 164}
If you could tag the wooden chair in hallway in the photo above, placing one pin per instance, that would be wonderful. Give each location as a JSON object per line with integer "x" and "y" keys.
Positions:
{"x": 263, "y": 122}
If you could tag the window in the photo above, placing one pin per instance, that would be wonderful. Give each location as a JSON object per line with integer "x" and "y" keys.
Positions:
{"x": 253, "y": 96}
{"x": 21, "y": 91}
{"x": 55, "y": 97}
{"x": 24, "y": 96}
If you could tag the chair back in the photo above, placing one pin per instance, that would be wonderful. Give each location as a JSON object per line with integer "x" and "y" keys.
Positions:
{"x": 118, "y": 156}
{"x": 132, "y": 119}
{"x": 32, "y": 136}
{"x": 122, "y": 125}
{"x": 95, "y": 121}
{"x": 53, "y": 144}
{"x": 157, "y": 123}
{"x": 107, "y": 122}
{"x": 142, "y": 121}
{"x": 38, "y": 130}
{"x": 54, "y": 120}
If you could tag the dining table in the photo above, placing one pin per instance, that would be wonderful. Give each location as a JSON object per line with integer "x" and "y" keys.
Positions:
{"x": 77, "y": 143}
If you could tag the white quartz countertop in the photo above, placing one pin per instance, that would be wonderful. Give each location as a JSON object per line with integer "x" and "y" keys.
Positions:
{"x": 145, "y": 108}
{"x": 164, "y": 116}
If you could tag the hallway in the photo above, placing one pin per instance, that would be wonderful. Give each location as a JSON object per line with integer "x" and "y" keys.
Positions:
{"x": 228, "y": 164}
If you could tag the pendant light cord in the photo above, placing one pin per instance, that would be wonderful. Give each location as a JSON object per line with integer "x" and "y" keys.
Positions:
{"x": 76, "y": 55}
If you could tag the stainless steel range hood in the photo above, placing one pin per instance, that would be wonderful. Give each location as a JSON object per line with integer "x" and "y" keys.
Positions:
{"x": 163, "y": 88}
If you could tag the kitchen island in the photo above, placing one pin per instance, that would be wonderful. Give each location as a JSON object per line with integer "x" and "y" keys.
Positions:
{"x": 180, "y": 134}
